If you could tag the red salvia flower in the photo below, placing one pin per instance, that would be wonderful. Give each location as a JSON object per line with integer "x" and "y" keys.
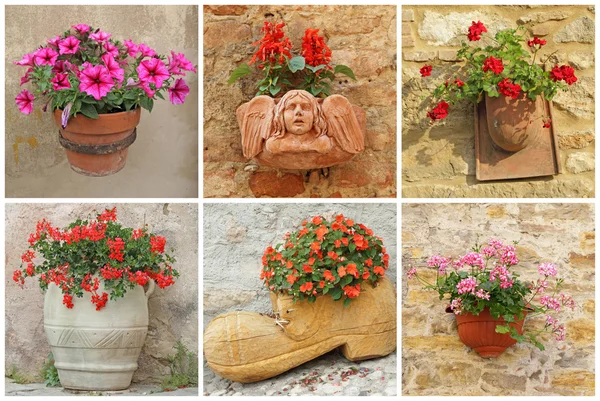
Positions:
{"x": 314, "y": 49}
{"x": 274, "y": 46}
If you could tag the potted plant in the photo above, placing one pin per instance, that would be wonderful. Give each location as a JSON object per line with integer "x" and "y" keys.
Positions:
{"x": 508, "y": 78}
{"x": 93, "y": 273}
{"x": 328, "y": 289}
{"x": 96, "y": 86}
{"x": 491, "y": 303}
{"x": 294, "y": 122}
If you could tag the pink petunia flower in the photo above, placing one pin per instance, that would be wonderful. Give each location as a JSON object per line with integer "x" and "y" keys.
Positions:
{"x": 60, "y": 81}
{"x": 81, "y": 28}
{"x": 146, "y": 51}
{"x": 69, "y": 45}
{"x": 146, "y": 87}
{"x": 54, "y": 41}
{"x": 178, "y": 62}
{"x": 45, "y": 56}
{"x": 178, "y": 92}
{"x": 26, "y": 78}
{"x": 100, "y": 36}
{"x": 96, "y": 81}
{"x": 111, "y": 49}
{"x": 113, "y": 67}
{"x": 153, "y": 71}
{"x": 27, "y": 60}
{"x": 132, "y": 48}
{"x": 24, "y": 101}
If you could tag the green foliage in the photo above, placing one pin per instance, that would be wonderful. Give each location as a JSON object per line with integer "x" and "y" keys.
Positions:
{"x": 50, "y": 373}
{"x": 520, "y": 67}
{"x": 184, "y": 369}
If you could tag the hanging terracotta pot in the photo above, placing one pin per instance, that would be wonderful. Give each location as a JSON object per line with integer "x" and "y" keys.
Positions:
{"x": 479, "y": 332}
{"x": 98, "y": 147}
{"x": 96, "y": 350}
{"x": 514, "y": 124}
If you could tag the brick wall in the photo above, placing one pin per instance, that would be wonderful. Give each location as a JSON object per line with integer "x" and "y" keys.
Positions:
{"x": 434, "y": 360}
{"x": 363, "y": 38}
{"x": 440, "y": 160}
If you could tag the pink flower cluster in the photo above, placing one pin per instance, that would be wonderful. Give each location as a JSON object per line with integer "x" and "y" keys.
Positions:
{"x": 467, "y": 285}
{"x": 411, "y": 273}
{"x": 456, "y": 306}
{"x": 558, "y": 329}
{"x": 473, "y": 259}
{"x": 69, "y": 56}
{"x": 550, "y": 302}
{"x": 501, "y": 273}
{"x": 547, "y": 269}
{"x": 440, "y": 262}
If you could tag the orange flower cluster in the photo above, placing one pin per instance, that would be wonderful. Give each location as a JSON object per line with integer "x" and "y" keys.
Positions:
{"x": 325, "y": 257}
{"x": 273, "y": 47}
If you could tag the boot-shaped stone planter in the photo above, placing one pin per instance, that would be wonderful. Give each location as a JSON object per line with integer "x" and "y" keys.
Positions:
{"x": 96, "y": 350}
{"x": 248, "y": 347}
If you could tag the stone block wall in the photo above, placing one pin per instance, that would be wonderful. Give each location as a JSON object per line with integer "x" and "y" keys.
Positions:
{"x": 236, "y": 236}
{"x": 439, "y": 160}
{"x": 434, "y": 360}
{"x": 173, "y": 310}
{"x": 361, "y": 37}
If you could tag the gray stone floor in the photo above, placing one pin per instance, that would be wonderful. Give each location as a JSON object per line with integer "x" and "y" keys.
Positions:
{"x": 331, "y": 374}
{"x": 40, "y": 389}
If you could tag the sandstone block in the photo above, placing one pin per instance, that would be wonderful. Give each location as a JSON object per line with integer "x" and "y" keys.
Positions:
{"x": 505, "y": 381}
{"x": 450, "y": 29}
{"x": 408, "y": 15}
{"x": 544, "y": 16}
{"x": 268, "y": 183}
{"x": 581, "y": 60}
{"x": 581, "y": 31}
{"x": 580, "y": 162}
{"x": 223, "y": 33}
{"x": 226, "y": 10}
{"x": 419, "y": 56}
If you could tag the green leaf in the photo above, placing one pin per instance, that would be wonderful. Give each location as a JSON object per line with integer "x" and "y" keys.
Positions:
{"x": 296, "y": 64}
{"x": 160, "y": 95}
{"x": 347, "y": 302}
{"x": 274, "y": 90}
{"x": 147, "y": 103}
{"x": 502, "y": 329}
{"x": 336, "y": 293}
{"x": 89, "y": 111}
{"x": 317, "y": 68}
{"x": 342, "y": 69}
{"x": 239, "y": 72}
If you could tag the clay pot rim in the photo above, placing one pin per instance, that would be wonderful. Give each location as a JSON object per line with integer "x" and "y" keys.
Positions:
{"x": 526, "y": 309}
{"x": 107, "y": 123}
{"x": 103, "y": 116}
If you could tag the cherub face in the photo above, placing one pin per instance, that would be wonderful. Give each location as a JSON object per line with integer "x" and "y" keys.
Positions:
{"x": 298, "y": 116}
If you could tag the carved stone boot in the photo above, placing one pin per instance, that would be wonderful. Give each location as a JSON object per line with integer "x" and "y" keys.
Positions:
{"x": 248, "y": 347}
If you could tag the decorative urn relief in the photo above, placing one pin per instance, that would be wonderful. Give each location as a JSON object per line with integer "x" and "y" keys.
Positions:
{"x": 300, "y": 131}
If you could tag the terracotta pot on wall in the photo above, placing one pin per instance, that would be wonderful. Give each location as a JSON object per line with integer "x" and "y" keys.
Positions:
{"x": 514, "y": 124}
{"x": 96, "y": 350}
{"x": 479, "y": 332}
{"x": 98, "y": 147}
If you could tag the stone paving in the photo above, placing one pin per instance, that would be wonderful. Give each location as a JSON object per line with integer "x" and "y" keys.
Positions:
{"x": 40, "y": 389}
{"x": 331, "y": 374}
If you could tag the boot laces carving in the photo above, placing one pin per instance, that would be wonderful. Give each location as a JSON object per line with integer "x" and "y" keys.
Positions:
{"x": 279, "y": 321}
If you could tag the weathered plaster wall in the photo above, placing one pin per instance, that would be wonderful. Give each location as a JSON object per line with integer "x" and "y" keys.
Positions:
{"x": 173, "y": 310}
{"x": 361, "y": 37}
{"x": 435, "y": 362}
{"x": 236, "y": 236}
{"x": 163, "y": 161}
{"x": 439, "y": 160}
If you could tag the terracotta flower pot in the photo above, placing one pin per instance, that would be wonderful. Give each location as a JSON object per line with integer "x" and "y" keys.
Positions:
{"x": 98, "y": 147}
{"x": 96, "y": 350}
{"x": 510, "y": 121}
{"x": 479, "y": 332}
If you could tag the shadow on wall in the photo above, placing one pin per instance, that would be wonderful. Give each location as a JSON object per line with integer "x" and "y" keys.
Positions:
{"x": 163, "y": 161}
{"x": 436, "y": 362}
{"x": 361, "y": 37}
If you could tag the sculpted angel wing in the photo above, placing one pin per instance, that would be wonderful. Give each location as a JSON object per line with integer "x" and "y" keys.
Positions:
{"x": 255, "y": 124}
{"x": 342, "y": 124}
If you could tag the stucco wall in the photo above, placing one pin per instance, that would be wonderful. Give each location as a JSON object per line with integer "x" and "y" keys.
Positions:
{"x": 236, "y": 236}
{"x": 439, "y": 160}
{"x": 435, "y": 362}
{"x": 173, "y": 310}
{"x": 361, "y": 37}
{"x": 163, "y": 161}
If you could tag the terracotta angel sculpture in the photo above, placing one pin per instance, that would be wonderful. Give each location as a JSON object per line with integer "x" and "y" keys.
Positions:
{"x": 300, "y": 131}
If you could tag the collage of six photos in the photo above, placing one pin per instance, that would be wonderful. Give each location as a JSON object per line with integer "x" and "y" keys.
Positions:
{"x": 114, "y": 235}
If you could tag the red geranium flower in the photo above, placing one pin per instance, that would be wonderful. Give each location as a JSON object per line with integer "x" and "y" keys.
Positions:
{"x": 494, "y": 64}
{"x": 547, "y": 123}
{"x": 507, "y": 88}
{"x": 563, "y": 73}
{"x": 475, "y": 30}
{"x": 536, "y": 41}
{"x": 425, "y": 70}
{"x": 439, "y": 112}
